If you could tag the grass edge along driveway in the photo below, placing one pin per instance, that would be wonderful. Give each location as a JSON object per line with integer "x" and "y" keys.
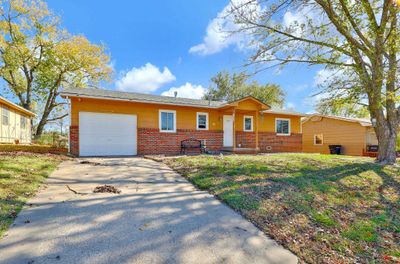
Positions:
{"x": 20, "y": 177}
{"x": 325, "y": 209}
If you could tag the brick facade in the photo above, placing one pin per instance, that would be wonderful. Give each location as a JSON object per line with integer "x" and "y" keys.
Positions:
{"x": 270, "y": 142}
{"x": 74, "y": 140}
{"x": 152, "y": 141}
{"x": 246, "y": 139}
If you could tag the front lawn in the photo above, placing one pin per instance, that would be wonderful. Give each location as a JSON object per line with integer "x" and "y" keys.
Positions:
{"x": 326, "y": 209}
{"x": 20, "y": 176}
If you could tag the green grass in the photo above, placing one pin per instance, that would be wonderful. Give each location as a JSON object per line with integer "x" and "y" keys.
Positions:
{"x": 20, "y": 177}
{"x": 332, "y": 208}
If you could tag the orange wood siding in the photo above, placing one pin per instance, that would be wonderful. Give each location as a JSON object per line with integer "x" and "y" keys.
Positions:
{"x": 267, "y": 123}
{"x": 352, "y": 136}
{"x": 148, "y": 114}
{"x": 249, "y": 105}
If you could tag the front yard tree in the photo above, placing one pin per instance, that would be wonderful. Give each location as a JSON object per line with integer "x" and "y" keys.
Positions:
{"x": 227, "y": 87}
{"x": 38, "y": 57}
{"x": 356, "y": 40}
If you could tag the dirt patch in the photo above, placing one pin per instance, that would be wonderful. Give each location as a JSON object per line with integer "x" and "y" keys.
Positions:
{"x": 106, "y": 189}
{"x": 90, "y": 162}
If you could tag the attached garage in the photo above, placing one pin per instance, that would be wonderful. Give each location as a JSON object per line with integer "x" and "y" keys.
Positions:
{"x": 103, "y": 134}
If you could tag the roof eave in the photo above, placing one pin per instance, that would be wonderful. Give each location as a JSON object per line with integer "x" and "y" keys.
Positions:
{"x": 364, "y": 124}
{"x": 66, "y": 95}
{"x": 15, "y": 106}
{"x": 284, "y": 113}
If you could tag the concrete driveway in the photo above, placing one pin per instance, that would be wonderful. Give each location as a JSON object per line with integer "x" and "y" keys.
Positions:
{"x": 157, "y": 218}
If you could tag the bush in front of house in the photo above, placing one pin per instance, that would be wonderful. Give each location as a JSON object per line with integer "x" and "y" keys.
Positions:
{"x": 33, "y": 148}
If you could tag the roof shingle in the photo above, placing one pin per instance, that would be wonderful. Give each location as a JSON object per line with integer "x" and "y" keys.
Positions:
{"x": 138, "y": 97}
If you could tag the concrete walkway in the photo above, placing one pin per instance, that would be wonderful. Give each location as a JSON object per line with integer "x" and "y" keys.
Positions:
{"x": 157, "y": 218}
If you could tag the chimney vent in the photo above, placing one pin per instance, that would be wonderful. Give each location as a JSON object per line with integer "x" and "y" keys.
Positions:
{"x": 175, "y": 94}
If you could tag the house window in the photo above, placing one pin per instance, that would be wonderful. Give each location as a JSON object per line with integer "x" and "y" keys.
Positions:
{"x": 5, "y": 116}
{"x": 318, "y": 139}
{"x": 167, "y": 121}
{"x": 202, "y": 121}
{"x": 23, "y": 122}
{"x": 282, "y": 126}
{"x": 247, "y": 123}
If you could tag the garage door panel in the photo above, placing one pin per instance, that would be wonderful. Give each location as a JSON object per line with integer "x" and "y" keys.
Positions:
{"x": 107, "y": 134}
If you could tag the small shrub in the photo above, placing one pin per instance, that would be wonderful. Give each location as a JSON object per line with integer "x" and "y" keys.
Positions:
{"x": 32, "y": 148}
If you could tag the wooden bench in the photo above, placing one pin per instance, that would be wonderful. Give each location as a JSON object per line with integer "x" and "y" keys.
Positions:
{"x": 192, "y": 144}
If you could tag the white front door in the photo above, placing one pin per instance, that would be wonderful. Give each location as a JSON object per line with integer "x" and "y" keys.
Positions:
{"x": 228, "y": 131}
{"x": 107, "y": 134}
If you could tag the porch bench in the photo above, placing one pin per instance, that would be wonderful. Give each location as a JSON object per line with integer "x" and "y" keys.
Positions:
{"x": 192, "y": 144}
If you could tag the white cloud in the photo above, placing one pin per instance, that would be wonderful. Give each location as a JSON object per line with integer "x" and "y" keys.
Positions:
{"x": 322, "y": 76}
{"x": 222, "y": 32}
{"x": 187, "y": 90}
{"x": 145, "y": 79}
{"x": 290, "y": 18}
{"x": 290, "y": 106}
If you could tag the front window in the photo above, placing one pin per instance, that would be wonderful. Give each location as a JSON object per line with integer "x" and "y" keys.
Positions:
{"x": 318, "y": 139}
{"x": 248, "y": 123}
{"x": 5, "y": 117}
{"x": 282, "y": 127}
{"x": 202, "y": 121}
{"x": 23, "y": 122}
{"x": 167, "y": 121}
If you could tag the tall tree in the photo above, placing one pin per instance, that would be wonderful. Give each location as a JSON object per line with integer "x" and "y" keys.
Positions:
{"x": 229, "y": 87}
{"x": 358, "y": 39}
{"x": 37, "y": 57}
{"x": 342, "y": 107}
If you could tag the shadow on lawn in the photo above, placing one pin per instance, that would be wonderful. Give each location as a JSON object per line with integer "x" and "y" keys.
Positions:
{"x": 355, "y": 200}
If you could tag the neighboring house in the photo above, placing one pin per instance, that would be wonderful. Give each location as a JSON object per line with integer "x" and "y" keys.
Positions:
{"x": 107, "y": 122}
{"x": 353, "y": 134}
{"x": 15, "y": 123}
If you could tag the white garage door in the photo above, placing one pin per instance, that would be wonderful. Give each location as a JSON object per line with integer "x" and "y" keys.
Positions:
{"x": 107, "y": 134}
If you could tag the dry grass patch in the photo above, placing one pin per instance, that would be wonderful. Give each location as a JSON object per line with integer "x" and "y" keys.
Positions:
{"x": 20, "y": 176}
{"x": 326, "y": 209}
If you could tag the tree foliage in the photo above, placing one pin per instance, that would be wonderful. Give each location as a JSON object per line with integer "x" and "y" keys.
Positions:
{"x": 342, "y": 107}
{"x": 227, "y": 87}
{"x": 37, "y": 57}
{"x": 358, "y": 42}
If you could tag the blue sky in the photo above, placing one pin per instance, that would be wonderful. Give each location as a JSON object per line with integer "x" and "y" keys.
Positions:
{"x": 159, "y": 46}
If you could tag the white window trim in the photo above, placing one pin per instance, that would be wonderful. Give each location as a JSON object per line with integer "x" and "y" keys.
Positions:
{"x": 276, "y": 126}
{"x": 244, "y": 124}
{"x": 159, "y": 120}
{"x": 315, "y": 137}
{"x": 197, "y": 120}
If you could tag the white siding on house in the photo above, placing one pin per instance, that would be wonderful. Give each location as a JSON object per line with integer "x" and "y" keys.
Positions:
{"x": 12, "y": 131}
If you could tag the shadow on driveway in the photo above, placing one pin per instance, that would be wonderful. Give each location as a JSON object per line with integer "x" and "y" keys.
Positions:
{"x": 158, "y": 218}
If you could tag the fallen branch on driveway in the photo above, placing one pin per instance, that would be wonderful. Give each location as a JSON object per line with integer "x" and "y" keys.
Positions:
{"x": 72, "y": 190}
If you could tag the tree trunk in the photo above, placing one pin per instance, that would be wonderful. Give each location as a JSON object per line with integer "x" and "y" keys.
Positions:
{"x": 39, "y": 129}
{"x": 387, "y": 139}
{"x": 42, "y": 123}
